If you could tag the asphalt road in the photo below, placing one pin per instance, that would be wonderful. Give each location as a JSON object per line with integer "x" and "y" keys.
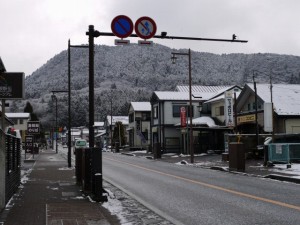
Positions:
{"x": 190, "y": 195}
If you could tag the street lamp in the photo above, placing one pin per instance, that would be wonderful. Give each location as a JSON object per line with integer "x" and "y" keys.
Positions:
{"x": 54, "y": 98}
{"x": 190, "y": 98}
{"x": 69, "y": 98}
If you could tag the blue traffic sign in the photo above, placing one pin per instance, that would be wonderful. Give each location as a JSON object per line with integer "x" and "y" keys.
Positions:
{"x": 122, "y": 26}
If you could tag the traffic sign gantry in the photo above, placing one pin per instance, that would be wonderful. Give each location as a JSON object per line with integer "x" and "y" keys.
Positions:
{"x": 145, "y": 27}
{"x": 122, "y": 26}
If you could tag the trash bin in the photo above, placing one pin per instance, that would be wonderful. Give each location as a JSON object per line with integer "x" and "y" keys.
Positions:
{"x": 236, "y": 156}
{"x": 96, "y": 175}
{"x": 78, "y": 165}
{"x": 86, "y": 170}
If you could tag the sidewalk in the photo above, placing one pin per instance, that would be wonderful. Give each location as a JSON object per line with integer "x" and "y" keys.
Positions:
{"x": 50, "y": 196}
{"x": 253, "y": 167}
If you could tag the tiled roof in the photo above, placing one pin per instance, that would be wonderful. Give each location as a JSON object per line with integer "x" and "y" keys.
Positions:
{"x": 201, "y": 89}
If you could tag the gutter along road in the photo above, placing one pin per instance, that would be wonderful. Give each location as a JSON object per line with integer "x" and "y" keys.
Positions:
{"x": 190, "y": 195}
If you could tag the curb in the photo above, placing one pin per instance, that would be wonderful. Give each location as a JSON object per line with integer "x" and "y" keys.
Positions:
{"x": 283, "y": 178}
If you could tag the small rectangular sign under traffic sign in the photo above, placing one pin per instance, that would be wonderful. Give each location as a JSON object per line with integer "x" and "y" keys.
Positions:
{"x": 145, "y": 43}
{"x": 121, "y": 42}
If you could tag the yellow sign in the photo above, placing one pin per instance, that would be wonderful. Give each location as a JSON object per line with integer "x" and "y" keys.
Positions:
{"x": 245, "y": 119}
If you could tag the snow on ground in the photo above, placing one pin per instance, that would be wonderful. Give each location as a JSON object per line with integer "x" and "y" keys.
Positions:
{"x": 294, "y": 170}
{"x": 128, "y": 210}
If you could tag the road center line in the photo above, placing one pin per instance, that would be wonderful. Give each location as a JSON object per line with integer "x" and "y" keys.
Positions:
{"x": 212, "y": 186}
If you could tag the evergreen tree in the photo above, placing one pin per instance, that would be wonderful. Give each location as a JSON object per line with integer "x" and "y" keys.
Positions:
{"x": 28, "y": 108}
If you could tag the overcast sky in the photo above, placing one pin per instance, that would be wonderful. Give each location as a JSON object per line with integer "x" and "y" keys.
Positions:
{"x": 33, "y": 31}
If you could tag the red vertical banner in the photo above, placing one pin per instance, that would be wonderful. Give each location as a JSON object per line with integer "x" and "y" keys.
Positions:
{"x": 183, "y": 117}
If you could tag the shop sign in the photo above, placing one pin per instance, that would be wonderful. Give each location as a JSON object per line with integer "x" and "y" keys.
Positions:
{"x": 246, "y": 119}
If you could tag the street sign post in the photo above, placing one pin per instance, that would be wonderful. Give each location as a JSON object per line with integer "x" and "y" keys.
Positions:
{"x": 121, "y": 42}
{"x": 145, "y": 27}
{"x": 122, "y": 26}
{"x": 145, "y": 43}
{"x": 33, "y": 127}
{"x": 182, "y": 116}
{"x": 28, "y": 143}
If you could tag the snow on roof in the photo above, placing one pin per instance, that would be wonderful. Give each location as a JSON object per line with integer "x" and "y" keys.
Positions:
{"x": 202, "y": 121}
{"x": 175, "y": 95}
{"x": 201, "y": 89}
{"x": 286, "y": 97}
{"x": 99, "y": 124}
{"x": 123, "y": 119}
{"x": 141, "y": 106}
{"x": 221, "y": 97}
{"x": 18, "y": 115}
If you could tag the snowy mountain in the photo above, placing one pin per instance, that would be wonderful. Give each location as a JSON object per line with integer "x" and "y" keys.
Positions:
{"x": 132, "y": 73}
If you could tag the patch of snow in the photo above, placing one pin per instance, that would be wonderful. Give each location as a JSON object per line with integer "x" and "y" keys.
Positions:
{"x": 25, "y": 176}
{"x": 66, "y": 168}
{"x": 90, "y": 199}
{"x": 182, "y": 162}
{"x": 282, "y": 168}
{"x": 140, "y": 151}
{"x": 114, "y": 206}
{"x": 78, "y": 197}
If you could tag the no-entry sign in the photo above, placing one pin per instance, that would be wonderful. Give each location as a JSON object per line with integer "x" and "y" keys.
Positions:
{"x": 145, "y": 27}
{"x": 122, "y": 26}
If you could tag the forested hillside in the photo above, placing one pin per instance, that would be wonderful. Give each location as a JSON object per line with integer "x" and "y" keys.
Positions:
{"x": 132, "y": 73}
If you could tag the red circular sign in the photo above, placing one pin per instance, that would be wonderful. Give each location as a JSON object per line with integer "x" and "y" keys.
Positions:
{"x": 122, "y": 26}
{"x": 145, "y": 27}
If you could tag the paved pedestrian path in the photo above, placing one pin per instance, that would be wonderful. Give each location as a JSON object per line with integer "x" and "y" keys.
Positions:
{"x": 50, "y": 196}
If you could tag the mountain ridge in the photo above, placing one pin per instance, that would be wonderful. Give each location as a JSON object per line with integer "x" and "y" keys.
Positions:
{"x": 132, "y": 73}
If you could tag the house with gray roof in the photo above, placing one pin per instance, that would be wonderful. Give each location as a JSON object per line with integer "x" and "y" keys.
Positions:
{"x": 166, "y": 110}
{"x": 286, "y": 108}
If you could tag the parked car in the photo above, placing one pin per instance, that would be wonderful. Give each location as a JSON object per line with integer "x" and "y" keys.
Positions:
{"x": 80, "y": 144}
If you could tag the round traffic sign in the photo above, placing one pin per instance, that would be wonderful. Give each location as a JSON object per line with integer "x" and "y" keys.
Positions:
{"x": 145, "y": 27}
{"x": 122, "y": 26}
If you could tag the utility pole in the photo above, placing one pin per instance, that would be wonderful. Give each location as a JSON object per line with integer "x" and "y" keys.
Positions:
{"x": 191, "y": 138}
{"x": 2, "y": 158}
{"x": 256, "y": 122}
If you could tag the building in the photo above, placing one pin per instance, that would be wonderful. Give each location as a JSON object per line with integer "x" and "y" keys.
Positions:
{"x": 208, "y": 125}
{"x": 100, "y": 133}
{"x": 139, "y": 125}
{"x": 166, "y": 109}
{"x": 286, "y": 109}
{"x": 109, "y": 125}
{"x": 20, "y": 122}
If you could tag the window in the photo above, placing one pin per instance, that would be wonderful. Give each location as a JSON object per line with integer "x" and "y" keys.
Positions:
{"x": 155, "y": 112}
{"x": 220, "y": 111}
{"x": 131, "y": 118}
{"x": 146, "y": 116}
{"x": 176, "y": 110}
{"x": 21, "y": 121}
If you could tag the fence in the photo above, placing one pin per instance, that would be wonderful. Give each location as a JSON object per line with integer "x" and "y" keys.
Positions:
{"x": 284, "y": 152}
{"x": 13, "y": 165}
